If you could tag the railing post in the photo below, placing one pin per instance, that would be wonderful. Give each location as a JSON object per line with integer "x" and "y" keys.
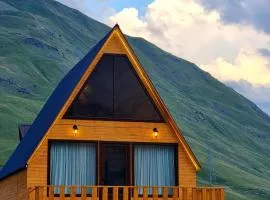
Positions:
{"x": 94, "y": 193}
{"x": 62, "y": 192}
{"x": 155, "y": 193}
{"x": 115, "y": 193}
{"x": 105, "y": 193}
{"x": 222, "y": 194}
{"x": 145, "y": 193}
{"x": 213, "y": 194}
{"x": 125, "y": 193}
{"x": 84, "y": 192}
{"x": 194, "y": 194}
{"x": 36, "y": 193}
{"x": 165, "y": 193}
{"x": 204, "y": 194}
{"x": 135, "y": 193}
{"x": 51, "y": 192}
{"x": 175, "y": 193}
{"x": 73, "y": 192}
{"x": 184, "y": 193}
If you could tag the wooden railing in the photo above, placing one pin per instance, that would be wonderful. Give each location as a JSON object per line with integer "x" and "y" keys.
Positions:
{"x": 125, "y": 193}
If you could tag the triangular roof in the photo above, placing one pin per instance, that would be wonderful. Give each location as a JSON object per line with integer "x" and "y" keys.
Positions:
{"x": 61, "y": 94}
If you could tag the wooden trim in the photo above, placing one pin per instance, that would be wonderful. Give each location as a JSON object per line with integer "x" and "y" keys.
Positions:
{"x": 113, "y": 117}
{"x": 129, "y": 147}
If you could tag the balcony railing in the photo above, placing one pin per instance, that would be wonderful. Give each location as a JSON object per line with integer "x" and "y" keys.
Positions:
{"x": 125, "y": 193}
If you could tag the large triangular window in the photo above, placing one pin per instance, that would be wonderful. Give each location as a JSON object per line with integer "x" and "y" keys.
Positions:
{"x": 113, "y": 91}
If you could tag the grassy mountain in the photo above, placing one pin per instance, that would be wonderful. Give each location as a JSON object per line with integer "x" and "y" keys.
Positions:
{"x": 41, "y": 40}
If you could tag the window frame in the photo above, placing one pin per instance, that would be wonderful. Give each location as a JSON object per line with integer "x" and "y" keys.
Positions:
{"x": 98, "y": 145}
{"x": 113, "y": 118}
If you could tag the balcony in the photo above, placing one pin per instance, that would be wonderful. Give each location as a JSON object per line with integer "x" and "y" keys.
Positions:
{"x": 124, "y": 193}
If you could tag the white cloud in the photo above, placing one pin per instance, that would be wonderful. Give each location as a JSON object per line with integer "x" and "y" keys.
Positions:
{"x": 248, "y": 65}
{"x": 188, "y": 30}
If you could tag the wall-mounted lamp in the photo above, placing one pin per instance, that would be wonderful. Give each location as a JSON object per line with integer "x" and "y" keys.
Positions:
{"x": 155, "y": 132}
{"x": 75, "y": 129}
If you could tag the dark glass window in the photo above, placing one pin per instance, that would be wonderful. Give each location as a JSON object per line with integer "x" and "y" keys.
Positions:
{"x": 95, "y": 100}
{"x": 114, "y": 92}
{"x": 131, "y": 98}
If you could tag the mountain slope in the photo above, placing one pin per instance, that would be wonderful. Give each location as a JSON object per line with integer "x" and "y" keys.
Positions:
{"x": 41, "y": 40}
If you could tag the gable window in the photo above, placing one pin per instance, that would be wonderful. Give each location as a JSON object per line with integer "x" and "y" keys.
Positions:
{"x": 113, "y": 91}
{"x": 154, "y": 165}
{"x": 72, "y": 163}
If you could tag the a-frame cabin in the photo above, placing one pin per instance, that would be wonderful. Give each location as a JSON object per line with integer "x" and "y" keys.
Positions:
{"x": 104, "y": 134}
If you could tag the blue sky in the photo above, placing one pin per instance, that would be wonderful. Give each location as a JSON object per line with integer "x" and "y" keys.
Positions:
{"x": 228, "y": 39}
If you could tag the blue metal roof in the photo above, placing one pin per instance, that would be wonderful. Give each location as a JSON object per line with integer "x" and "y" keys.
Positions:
{"x": 49, "y": 112}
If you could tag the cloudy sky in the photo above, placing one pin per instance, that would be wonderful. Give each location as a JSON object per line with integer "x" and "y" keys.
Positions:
{"x": 230, "y": 39}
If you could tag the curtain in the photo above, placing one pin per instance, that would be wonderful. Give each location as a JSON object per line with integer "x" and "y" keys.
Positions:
{"x": 154, "y": 165}
{"x": 72, "y": 164}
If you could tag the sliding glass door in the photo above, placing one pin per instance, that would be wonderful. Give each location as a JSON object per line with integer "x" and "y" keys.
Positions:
{"x": 72, "y": 163}
{"x": 75, "y": 163}
{"x": 154, "y": 165}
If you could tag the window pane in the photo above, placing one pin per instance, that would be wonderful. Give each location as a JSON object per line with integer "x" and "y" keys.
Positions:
{"x": 95, "y": 100}
{"x": 72, "y": 164}
{"x": 114, "y": 92}
{"x": 131, "y": 100}
{"x": 154, "y": 166}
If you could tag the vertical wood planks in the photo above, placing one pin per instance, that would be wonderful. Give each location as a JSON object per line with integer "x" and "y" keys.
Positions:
{"x": 105, "y": 193}
{"x": 73, "y": 192}
{"x": 165, "y": 193}
{"x": 175, "y": 193}
{"x": 184, "y": 194}
{"x": 135, "y": 193}
{"x": 129, "y": 192}
{"x": 222, "y": 194}
{"x": 115, "y": 193}
{"x": 39, "y": 193}
{"x": 125, "y": 193}
{"x": 155, "y": 193}
{"x": 51, "y": 192}
{"x": 94, "y": 193}
{"x": 204, "y": 194}
{"x": 213, "y": 194}
{"x": 62, "y": 192}
{"x": 145, "y": 193}
{"x": 83, "y": 192}
{"x": 194, "y": 194}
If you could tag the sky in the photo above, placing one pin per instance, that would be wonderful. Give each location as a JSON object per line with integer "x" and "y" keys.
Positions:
{"x": 230, "y": 39}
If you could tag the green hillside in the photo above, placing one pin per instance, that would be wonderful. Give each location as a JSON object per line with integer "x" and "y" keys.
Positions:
{"x": 41, "y": 40}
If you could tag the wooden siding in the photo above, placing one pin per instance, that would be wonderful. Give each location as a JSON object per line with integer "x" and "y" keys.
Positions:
{"x": 117, "y": 44}
{"x": 107, "y": 131}
{"x": 91, "y": 130}
{"x": 94, "y": 131}
{"x": 187, "y": 172}
{"x": 14, "y": 187}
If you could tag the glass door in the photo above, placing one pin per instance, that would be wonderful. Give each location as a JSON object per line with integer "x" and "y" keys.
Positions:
{"x": 114, "y": 164}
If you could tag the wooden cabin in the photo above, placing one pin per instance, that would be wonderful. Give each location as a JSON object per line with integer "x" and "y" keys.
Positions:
{"x": 104, "y": 133}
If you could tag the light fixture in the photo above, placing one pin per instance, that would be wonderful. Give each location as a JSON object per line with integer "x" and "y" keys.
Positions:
{"x": 75, "y": 129}
{"x": 155, "y": 132}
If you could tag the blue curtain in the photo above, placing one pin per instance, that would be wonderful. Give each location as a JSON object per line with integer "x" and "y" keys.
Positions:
{"x": 72, "y": 164}
{"x": 154, "y": 165}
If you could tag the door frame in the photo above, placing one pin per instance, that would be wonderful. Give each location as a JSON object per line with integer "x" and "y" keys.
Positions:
{"x": 101, "y": 160}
